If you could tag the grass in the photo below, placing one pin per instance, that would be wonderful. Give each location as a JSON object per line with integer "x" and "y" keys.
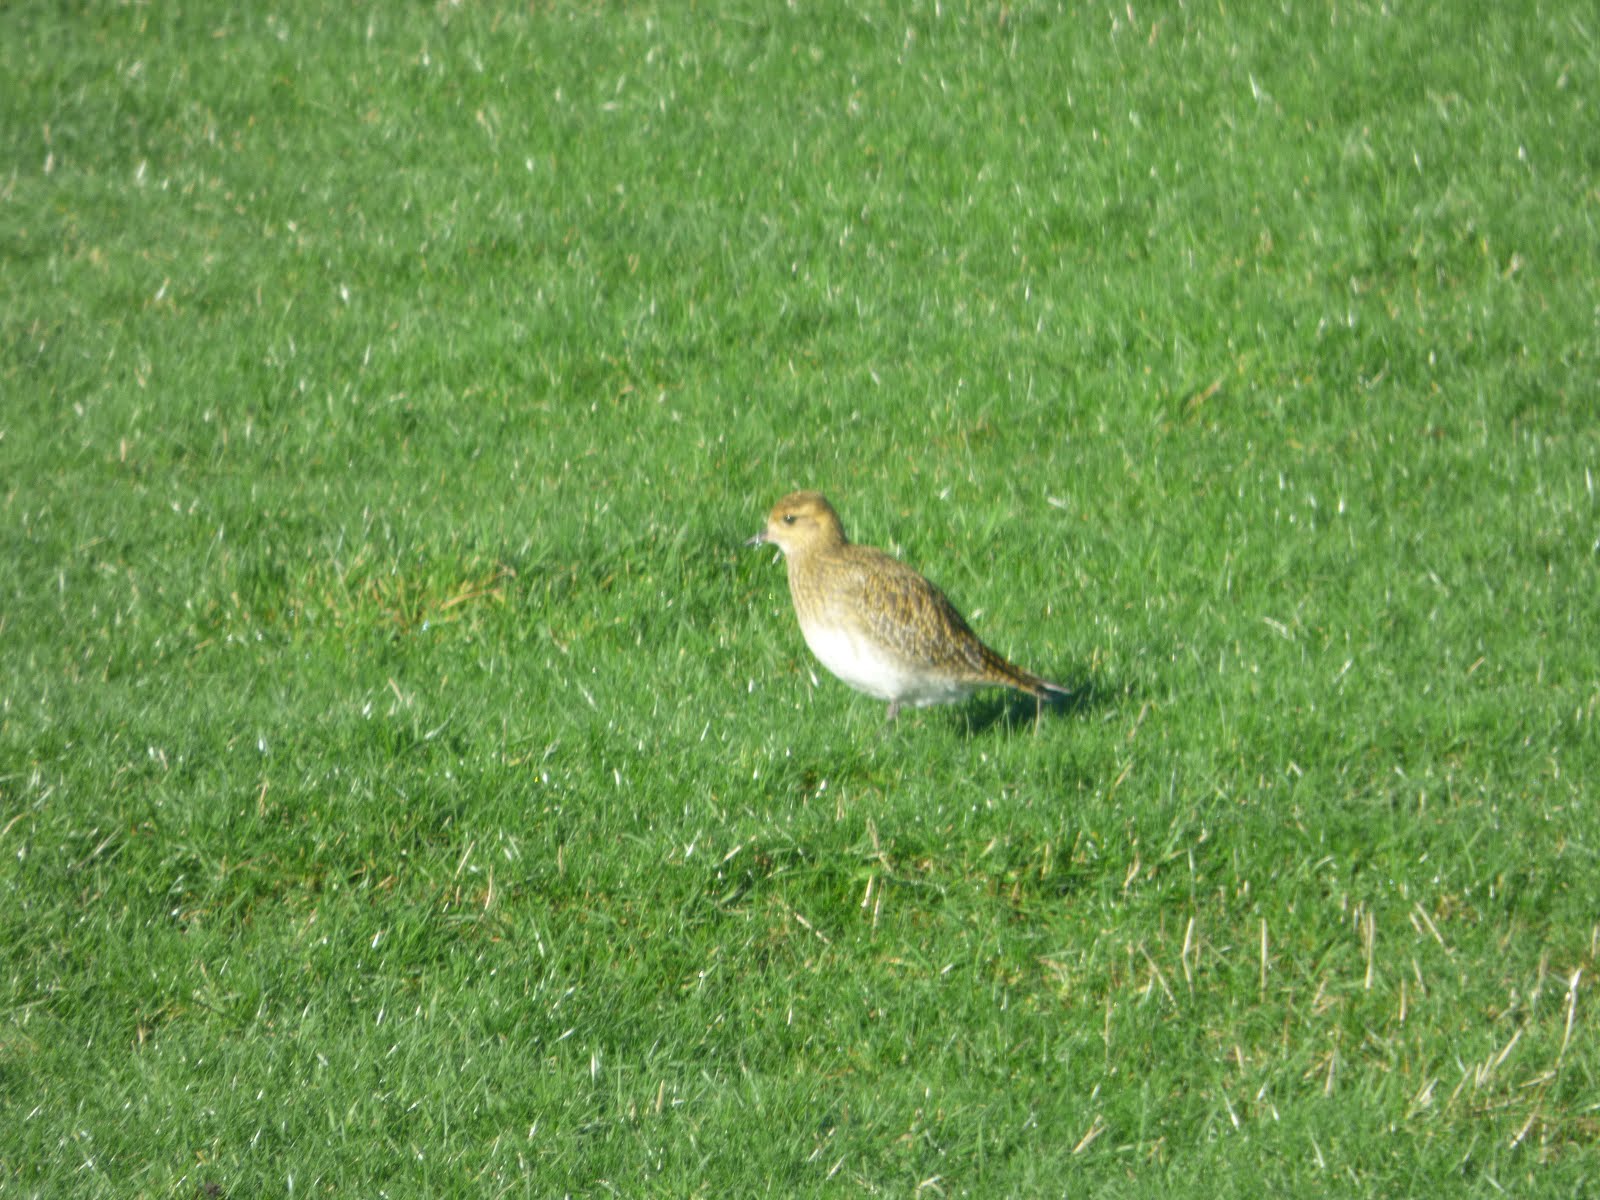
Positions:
{"x": 409, "y": 786}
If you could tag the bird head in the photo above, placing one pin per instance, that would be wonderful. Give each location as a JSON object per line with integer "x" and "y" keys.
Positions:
{"x": 800, "y": 522}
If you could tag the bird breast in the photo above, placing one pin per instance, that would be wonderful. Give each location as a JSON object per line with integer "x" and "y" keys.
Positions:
{"x": 864, "y": 665}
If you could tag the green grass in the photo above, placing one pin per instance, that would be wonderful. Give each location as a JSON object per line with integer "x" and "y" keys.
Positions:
{"x": 409, "y": 786}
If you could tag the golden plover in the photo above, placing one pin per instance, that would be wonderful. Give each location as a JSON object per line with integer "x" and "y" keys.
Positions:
{"x": 877, "y": 624}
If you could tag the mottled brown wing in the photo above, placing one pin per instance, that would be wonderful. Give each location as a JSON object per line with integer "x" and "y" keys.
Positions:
{"x": 903, "y": 610}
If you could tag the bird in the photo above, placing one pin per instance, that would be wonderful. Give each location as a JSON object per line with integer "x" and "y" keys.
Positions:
{"x": 875, "y": 623}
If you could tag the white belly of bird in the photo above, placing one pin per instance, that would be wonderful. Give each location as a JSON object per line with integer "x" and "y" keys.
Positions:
{"x": 863, "y": 665}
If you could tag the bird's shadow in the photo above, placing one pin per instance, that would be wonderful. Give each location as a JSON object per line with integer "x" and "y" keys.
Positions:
{"x": 1008, "y": 709}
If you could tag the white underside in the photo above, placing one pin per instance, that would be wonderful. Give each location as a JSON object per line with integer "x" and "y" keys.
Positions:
{"x": 862, "y": 665}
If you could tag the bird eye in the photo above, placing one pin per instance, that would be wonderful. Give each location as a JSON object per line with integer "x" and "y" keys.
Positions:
{"x": 788, "y": 518}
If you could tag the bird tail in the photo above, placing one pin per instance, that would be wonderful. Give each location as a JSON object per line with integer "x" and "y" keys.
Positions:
{"x": 1014, "y": 676}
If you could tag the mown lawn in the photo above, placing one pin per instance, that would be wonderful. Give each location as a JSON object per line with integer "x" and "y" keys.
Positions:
{"x": 409, "y": 785}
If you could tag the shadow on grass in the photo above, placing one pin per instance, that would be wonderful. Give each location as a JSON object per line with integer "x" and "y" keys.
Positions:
{"x": 1007, "y": 709}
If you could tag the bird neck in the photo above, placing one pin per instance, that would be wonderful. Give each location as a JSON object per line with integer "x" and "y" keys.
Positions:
{"x": 826, "y": 542}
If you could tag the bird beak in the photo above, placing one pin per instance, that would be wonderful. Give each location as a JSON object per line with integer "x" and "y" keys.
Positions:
{"x": 760, "y": 539}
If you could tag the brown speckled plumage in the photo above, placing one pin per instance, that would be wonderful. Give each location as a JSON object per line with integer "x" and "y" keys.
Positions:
{"x": 877, "y": 624}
